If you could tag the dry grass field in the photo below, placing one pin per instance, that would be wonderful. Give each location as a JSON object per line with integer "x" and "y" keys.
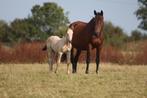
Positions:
{"x": 35, "y": 81}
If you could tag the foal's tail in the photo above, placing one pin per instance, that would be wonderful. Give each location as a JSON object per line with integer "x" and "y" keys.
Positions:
{"x": 44, "y": 48}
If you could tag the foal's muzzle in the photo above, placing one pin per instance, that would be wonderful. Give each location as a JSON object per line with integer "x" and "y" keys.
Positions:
{"x": 69, "y": 41}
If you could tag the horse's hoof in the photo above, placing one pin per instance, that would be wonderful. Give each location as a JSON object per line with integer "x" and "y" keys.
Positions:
{"x": 73, "y": 72}
{"x": 86, "y": 72}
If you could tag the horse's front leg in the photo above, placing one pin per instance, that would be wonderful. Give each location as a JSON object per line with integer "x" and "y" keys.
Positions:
{"x": 68, "y": 61}
{"x": 59, "y": 55}
{"x": 88, "y": 59}
{"x": 97, "y": 59}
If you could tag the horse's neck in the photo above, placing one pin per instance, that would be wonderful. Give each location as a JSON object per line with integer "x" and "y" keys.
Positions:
{"x": 90, "y": 25}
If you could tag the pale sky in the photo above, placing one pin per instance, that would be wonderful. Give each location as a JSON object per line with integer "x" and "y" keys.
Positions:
{"x": 119, "y": 12}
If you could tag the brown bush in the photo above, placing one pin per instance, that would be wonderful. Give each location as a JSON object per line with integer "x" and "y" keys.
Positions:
{"x": 23, "y": 53}
{"x": 29, "y": 52}
{"x": 141, "y": 57}
{"x": 108, "y": 54}
{"x": 5, "y": 53}
{"x": 111, "y": 54}
{"x": 32, "y": 53}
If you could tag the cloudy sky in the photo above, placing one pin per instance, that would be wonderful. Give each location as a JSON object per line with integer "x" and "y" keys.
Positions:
{"x": 119, "y": 12}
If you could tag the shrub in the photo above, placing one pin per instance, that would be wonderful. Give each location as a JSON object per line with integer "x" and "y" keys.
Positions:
{"x": 111, "y": 54}
{"x": 23, "y": 53}
{"x": 29, "y": 53}
{"x": 141, "y": 57}
{"x": 5, "y": 53}
{"x": 32, "y": 53}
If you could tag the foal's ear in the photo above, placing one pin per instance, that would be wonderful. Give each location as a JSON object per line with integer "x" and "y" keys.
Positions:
{"x": 95, "y": 13}
{"x": 102, "y": 12}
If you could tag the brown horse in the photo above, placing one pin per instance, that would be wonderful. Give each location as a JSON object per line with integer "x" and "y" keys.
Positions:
{"x": 87, "y": 36}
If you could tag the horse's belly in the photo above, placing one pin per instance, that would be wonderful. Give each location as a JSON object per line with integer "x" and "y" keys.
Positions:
{"x": 80, "y": 46}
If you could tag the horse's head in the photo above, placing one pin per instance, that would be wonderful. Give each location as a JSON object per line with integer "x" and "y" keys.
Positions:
{"x": 98, "y": 23}
{"x": 69, "y": 35}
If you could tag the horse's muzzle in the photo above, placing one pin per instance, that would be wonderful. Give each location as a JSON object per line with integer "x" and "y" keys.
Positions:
{"x": 96, "y": 34}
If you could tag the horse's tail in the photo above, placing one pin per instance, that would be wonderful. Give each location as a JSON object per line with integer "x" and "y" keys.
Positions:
{"x": 44, "y": 48}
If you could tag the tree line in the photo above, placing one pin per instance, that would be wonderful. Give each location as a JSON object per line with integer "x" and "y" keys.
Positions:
{"x": 50, "y": 19}
{"x": 44, "y": 21}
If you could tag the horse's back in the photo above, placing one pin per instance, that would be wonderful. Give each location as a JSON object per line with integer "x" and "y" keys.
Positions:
{"x": 77, "y": 25}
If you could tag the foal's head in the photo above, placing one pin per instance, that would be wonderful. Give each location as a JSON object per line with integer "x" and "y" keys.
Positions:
{"x": 69, "y": 35}
{"x": 98, "y": 23}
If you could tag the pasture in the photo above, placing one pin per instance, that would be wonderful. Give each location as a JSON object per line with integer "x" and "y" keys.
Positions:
{"x": 35, "y": 81}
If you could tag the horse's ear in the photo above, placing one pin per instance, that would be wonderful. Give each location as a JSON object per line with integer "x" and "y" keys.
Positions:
{"x": 102, "y": 12}
{"x": 95, "y": 13}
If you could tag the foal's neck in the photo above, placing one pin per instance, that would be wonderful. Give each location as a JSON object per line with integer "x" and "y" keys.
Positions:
{"x": 64, "y": 40}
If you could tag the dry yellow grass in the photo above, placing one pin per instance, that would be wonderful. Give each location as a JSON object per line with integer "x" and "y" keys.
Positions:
{"x": 34, "y": 81}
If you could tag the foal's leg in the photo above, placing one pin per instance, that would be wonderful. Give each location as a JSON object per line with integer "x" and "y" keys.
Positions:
{"x": 52, "y": 57}
{"x": 59, "y": 55}
{"x": 68, "y": 61}
{"x": 50, "y": 60}
{"x": 97, "y": 59}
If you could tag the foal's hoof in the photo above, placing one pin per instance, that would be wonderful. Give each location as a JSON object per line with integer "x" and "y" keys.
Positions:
{"x": 68, "y": 72}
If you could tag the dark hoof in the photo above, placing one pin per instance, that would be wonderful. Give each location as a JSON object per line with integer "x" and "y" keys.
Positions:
{"x": 73, "y": 72}
{"x": 86, "y": 72}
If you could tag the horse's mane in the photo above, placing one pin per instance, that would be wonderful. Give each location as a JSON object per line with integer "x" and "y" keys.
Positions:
{"x": 90, "y": 24}
{"x": 91, "y": 21}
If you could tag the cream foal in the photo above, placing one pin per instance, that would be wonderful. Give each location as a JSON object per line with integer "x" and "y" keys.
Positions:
{"x": 57, "y": 46}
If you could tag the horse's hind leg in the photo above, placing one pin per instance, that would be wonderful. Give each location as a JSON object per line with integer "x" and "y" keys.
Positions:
{"x": 78, "y": 52}
{"x": 72, "y": 59}
{"x": 87, "y": 62}
{"x": 59, "y": 55}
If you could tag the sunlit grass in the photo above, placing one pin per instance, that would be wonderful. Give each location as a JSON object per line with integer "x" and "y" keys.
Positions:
{"x": 35, "y": 81}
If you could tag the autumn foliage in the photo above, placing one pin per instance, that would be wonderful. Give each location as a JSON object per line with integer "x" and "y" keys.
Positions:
{"x": 23, "y": 53}
{"x": 32, "y": 53}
